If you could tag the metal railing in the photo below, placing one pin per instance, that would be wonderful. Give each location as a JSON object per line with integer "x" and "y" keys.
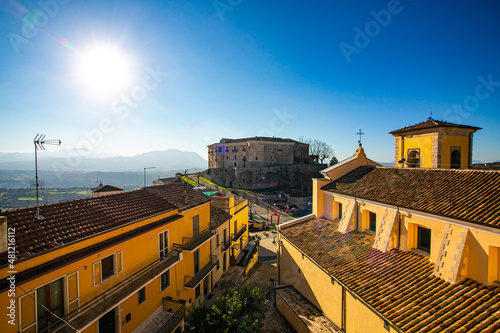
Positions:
{"x": 176, "y": 317}
{"x": 201, "y": 273}
{"x": 87, "y": 312}
{"x": 239, "y": 233}
{"x": 226, "y": 245}
{"x": 187, "y": 242}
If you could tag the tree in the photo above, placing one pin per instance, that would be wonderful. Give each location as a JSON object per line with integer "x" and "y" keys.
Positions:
{"x": 318, "y": 148}
{"x": 333, "y": 161}
{"x": 238, "y": 311}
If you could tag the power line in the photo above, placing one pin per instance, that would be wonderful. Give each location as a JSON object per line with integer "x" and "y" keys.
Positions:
{"x": 48, "y": 310}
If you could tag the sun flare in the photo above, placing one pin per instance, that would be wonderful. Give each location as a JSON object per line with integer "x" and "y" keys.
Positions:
{"x": 104, "y": 70}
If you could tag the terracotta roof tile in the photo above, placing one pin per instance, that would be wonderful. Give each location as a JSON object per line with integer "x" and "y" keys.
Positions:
{"x": 468, "y": 195}
{"x": 399, "y": 284}
{"x": 71, "y": 221}
{"x": 432, "y": 123}
{"x": 218, "y": 216}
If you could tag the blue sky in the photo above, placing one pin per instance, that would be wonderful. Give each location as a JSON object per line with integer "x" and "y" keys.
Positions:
{"x": 239, "y": 68}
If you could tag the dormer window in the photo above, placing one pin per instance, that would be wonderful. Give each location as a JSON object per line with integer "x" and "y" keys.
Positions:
{"x": 424, "y": 239}
{"x": 373, "y": 221}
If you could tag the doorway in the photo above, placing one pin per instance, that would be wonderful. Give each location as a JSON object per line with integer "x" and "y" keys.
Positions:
{"x": 107, "y": 323}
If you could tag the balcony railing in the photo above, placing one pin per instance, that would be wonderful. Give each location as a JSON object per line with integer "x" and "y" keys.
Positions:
{"x": 190, "y": 282}
{"x": 226, "y": 245}
{"x": 88, "y": 312}
{"x": 177, "y": 315}
{"x": 191, "y": 243}
{"x": 239, "y": 233}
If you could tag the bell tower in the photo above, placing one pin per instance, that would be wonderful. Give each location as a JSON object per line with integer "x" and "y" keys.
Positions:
{"x": 434, "y": 144}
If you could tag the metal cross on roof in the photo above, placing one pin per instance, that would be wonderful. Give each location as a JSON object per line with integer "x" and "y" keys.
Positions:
{"x": 360, "y": 133}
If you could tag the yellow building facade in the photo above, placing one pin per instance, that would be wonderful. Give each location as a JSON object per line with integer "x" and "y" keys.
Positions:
{"x": 394, "y": 250}
{"x": 107, "y": 264}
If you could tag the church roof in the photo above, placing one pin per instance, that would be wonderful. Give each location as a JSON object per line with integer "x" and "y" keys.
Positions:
{"x": 467, "y": 195}
{"x": 399, "y": 284}
{"x": 432, "y": 123}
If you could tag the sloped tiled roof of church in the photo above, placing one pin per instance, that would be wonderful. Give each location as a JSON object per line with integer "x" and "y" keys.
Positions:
{"x": 432, "y": 123}
{"x": 70, "y": 221}
{"x": 399, "y": 284}
{"x": 467, "y": 195}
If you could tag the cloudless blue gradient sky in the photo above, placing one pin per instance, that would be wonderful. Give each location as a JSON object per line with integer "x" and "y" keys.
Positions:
{"x": 258, "y": 68}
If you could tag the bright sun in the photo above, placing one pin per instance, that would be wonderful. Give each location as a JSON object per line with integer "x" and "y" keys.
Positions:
{"x": 104, "y": 70}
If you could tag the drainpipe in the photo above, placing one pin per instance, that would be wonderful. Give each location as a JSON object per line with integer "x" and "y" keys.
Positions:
{"x": 402, "y": 148}
{"x": 399, "y": 228}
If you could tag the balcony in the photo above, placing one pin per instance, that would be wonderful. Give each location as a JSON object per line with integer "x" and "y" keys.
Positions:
{"x": 237, "y": 235}
{"x": 89, "y": 312}
{"x": 190, "y": 244}
{"x": 176, "y": 315}
{"x": 226, "y": 245}
{"x": 190, "y": 282}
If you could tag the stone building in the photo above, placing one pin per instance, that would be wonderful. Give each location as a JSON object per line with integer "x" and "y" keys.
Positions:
{"x": 256, "y": 152}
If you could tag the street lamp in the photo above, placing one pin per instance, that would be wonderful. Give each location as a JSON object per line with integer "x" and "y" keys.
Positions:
{"x": 145, "y": 174}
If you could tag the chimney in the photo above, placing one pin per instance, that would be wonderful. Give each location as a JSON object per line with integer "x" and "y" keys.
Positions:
{"x": 3, "y": 236}
{"x": 184, "y": 198}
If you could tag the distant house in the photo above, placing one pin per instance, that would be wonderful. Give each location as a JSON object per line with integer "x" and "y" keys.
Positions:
{"x": 102, "y": 190}
{"x": 165, "y": 181}
{"x": 256, "y": 152}
{"x": 414, "y": 248}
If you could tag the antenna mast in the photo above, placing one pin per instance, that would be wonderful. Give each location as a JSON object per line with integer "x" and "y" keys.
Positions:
{"x": 39, "y": 141}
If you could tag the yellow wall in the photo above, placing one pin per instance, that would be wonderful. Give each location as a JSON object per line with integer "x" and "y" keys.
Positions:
{"x": 359, "y": 318}
{"x": 312, "y": 282}
{"x": 421, "y": 142}
{"x": 449, "y": 141}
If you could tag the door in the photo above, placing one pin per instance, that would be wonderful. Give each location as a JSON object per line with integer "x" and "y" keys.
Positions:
{"x": 196, "y": 226}
{"x": 51, "y": 297}
{"x": 196, "y": 261}
{"x": 107, "y": 323}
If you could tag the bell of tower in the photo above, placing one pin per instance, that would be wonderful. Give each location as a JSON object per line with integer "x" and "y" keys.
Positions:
{"x": 434, "y": 144}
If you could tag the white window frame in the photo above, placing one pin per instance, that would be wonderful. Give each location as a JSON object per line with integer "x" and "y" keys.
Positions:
{"x": 160, "y": 250}
{"x": 116, "y": 269}
{"x": 77, "y": 299}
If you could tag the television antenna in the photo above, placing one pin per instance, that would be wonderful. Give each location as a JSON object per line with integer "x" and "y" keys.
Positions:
{"x": 39, "y": 142}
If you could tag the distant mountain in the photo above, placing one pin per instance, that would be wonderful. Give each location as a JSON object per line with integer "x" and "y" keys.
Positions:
{"x": 82, "y": 160}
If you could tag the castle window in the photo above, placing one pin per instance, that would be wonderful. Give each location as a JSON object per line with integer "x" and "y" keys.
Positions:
{"x": 455, "y": 157}
{"x": 413, "y": 158}
{"x": 424, "y": 239}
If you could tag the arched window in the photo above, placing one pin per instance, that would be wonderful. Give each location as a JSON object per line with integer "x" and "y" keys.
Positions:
{"x": 455, "y": 158}
{"x": 413, "y": 158}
